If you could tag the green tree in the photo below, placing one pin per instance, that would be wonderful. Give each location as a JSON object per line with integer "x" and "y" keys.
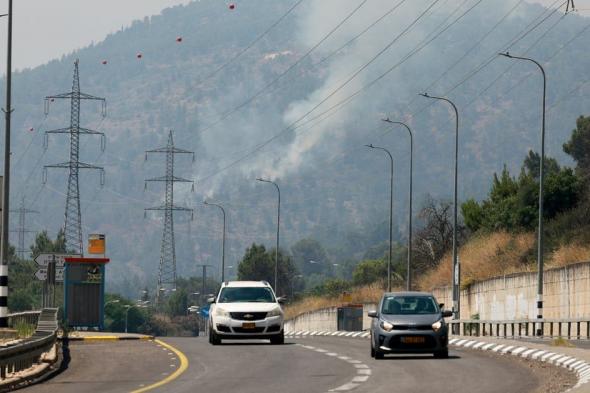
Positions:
{"x": 578, "y": 147}
{"x": 177, "y": 303}
{"x": 369, "y": 271}
{"x": 310, "y": 257}
{"x": 259, "y": 264}
{"x": 43, "y": 243}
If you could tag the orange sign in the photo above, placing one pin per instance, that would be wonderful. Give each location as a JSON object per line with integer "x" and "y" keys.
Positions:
{"x": 96, "y": 244}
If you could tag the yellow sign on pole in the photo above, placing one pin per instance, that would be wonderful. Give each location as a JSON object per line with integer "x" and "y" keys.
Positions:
{"x": 96, "y": 244}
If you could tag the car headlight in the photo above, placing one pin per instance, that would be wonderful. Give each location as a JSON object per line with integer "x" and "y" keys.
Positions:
{"x": 220, "y": 312}
{"x": 388, "y": 327}
{"x": 437, "y": 325}
{"x": 275, "y": 312}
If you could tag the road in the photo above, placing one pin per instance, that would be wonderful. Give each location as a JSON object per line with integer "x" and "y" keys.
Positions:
{"x": 317, "y": 364}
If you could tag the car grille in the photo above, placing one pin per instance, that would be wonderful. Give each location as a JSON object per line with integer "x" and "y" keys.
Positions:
{"x": 254, "y": 330}
{"x": 248, "y": 316}
{"x": 412, "y": 327}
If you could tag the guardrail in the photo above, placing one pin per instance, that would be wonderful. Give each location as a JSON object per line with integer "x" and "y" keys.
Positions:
{"x": 29, "y": 317}
{"x": 567, "y": 328}
{"x": 24, "y": 354}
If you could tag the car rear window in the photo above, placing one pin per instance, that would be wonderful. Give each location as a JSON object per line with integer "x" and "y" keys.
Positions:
{"x": 246, "y": 295}
{"x": 409, "y": 305}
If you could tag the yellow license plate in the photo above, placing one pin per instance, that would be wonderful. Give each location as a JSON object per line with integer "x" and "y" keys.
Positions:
{"x": 413, "y": 340}
{"x": 248, "y": 325}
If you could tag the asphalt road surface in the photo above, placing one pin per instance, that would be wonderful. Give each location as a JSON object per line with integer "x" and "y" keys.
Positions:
{"x": 317, "y": 364}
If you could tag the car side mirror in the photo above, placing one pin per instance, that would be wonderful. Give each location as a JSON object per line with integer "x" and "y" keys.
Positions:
{"x": 211, "y": 300}
{"x": 447, "y": 313}
{"x": 282, "y": 299}
{"x": 441, "y": 305}
{"x": 373, "y": 314}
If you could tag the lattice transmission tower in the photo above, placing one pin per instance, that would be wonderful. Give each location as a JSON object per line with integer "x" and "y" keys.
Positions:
{"x": 167, "y": 269}
{"x": 73, "y": 218}
{"x": 22, "y": 228}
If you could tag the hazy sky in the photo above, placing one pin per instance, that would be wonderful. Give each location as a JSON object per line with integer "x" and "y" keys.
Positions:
{"x": 46, "y": 29}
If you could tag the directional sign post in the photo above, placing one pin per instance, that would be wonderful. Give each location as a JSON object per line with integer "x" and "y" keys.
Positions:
{"x": 44, "y": 259}
{"x": 41, "y": 274}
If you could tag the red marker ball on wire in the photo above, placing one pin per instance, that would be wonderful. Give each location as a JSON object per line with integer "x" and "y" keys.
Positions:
{"x": 139, "y": 55}
{"x": 178, "y": 39}
{"x": 232, "y": 6}
{"x": 104, "y": 62}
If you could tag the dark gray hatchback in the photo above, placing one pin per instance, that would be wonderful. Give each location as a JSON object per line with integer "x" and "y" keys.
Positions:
{"x": 409, "y": 322}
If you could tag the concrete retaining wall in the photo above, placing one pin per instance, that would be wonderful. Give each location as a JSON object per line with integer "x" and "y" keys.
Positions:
{"x": 566, "y": 295}
{"x": 323, "y": 320}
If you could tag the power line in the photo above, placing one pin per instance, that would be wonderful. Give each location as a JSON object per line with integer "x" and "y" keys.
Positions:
{"x": 250, "y": 45}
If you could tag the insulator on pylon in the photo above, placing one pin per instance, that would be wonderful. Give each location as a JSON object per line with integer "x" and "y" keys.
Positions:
{"x": 45, "y": 142}
{"x": 102, "y": 177}
{"x": 145, "y": 186}
{"x": 193, "y": 187}
{"x": 44, "y": 177}
{"x": 103, "y": 142}
{"x": 104, "y": 109}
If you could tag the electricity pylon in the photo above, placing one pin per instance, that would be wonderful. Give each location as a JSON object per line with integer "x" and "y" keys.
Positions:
{"x": 167, "y": 269}
{"x": 73, "y": 218}
{"x": 22, "y": 228}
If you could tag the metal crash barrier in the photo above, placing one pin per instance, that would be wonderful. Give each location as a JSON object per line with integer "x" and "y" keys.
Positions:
{"x": 25, "y": 354}
{"x": 578, "y": 328}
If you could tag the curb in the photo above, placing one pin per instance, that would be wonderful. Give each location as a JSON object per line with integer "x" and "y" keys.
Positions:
{"x": 580, "y": 367}
{"x": 30, "y": 376}
{"x": 110, "y": 338}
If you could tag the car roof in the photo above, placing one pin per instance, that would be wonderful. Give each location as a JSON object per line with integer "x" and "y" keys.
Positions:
{"x": 242, "y": 284}
{"x": 408, "y": 293}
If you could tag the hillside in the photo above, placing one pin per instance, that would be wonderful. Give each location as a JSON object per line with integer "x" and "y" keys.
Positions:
{"x": 333, "y": 189}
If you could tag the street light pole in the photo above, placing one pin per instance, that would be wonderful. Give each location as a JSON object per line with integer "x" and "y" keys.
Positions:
{"x": 540, "y": 240}
{"x": 409, "y": 262}
{"x": 6, "y": 183}
{"x": 456, "y": 267}
{"x": 390, "y": 214}
{"x": 278, "y": 232}
{"x": 222, "y": 241}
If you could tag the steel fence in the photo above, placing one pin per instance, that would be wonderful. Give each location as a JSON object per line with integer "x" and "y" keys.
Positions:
{"x": 25, "y": 354}
{"x": 578, "y": 328}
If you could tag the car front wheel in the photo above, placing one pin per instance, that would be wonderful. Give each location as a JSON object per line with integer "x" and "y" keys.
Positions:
{"x": 442, "y": 354}
{"x": 213, "y": 338}
{"x": 279, "y": 339}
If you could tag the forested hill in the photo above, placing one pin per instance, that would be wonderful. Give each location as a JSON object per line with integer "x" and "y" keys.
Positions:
{"x": 175, "y": 71}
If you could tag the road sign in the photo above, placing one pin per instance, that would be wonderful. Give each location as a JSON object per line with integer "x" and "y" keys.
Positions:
{"x": 44, "y": 259}
{"x": 41, "y": 274}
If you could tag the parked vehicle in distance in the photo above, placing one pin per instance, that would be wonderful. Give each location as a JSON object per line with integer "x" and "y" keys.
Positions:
{"x": 409, "y": 322}
{"x": 246, "y": 310}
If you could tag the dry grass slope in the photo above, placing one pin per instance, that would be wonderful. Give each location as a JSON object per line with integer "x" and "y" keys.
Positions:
{"x": 500, "y": 253}
{"x": 367, "y": 294}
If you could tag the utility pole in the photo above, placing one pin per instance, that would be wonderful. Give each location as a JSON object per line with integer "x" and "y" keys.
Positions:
{"x": 6, "y": 182}
{"x": 389, "y": 262}
{"x": 276, "y": 284}
{"x": 167, "y": 270}
{"x": 203, "y": 281}
{"x": 540, "y": 234}
{"x": 73, "y": 217}
{"x": 222, "y": 239}
{"x": 22, "y": 229}
{"x": 456, "y": 263}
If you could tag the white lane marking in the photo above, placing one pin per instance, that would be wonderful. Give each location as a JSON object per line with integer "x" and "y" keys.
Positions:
{"x": 348, "y": 386}
{"x": 488, "y": 346}
{"x": 334, "y": 333}
{"x": 460, "y": 342}
{"x": 453, "y": 340}
{"x": 526, "y": 353}
{"x": 497, "y": 348}
{"x": 365, "y": 335}
{"x": 469, "y": 344}
{"x": 313, "y": 333}
{"x": 341, "y": 334}
{"x": 357, "y": 334}
{"x": 363, "y": 372}
{"x": 507, "y": 349}
{"x": 547, "y": 355}
{"x": 479, "y": 344}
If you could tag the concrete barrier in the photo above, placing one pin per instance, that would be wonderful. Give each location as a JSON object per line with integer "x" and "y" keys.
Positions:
{"x": 510, "y": 297}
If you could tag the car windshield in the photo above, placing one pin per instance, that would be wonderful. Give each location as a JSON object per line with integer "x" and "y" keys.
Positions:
{"x": 409, "y": 305}
{"x": 246, "y": 295}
